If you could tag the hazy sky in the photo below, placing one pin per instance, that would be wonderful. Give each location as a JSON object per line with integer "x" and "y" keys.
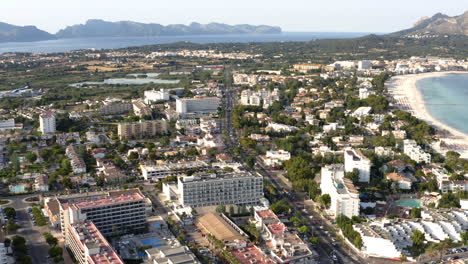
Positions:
{"x": 291, "y": 15}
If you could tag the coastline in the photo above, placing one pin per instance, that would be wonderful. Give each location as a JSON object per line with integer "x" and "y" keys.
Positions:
{"x": 408, "y": 98}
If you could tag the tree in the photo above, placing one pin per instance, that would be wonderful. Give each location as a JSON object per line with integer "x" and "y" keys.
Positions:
{"x": 353, "y": 175}
{"x": 418, "y": 239}
{"x": 55, "y": 251}
{"x": 221, "y": 209}
{"x": 133, "y": 155}
{"x": 415, "y": 212}
{"x": 303, "y": 229}
{"x": 11, "y": 226}
{"x": 10, "y": 212}
{"x": 280, "y": 207}
{"x": 50, "y": 239}
{"x": 325, "y": 200}
{"x": 31, "y": 157}
{"x": 464, "y": 238}
{"x": 67, "y": 183}
{"x": 314, "y": 240}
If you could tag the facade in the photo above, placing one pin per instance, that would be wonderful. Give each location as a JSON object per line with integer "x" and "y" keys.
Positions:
{"x": 154, "y": 96}
{"x": 245, "y": 79}
{"x": 343, "y": 194}
{"x": 110, "y": 214}
{"x": 142, "y": 129}
{"x": 156, "y": 172}
{"x": 354, "y": 159}
{"x": 140, "y": 109}
{"x": 9, "y": 124}
{"x": 364, "y": 65}
{"x": 115, "y": 108}
{"x": 77, "y": 163}
{"x": 88, "y": 245}
{"x": 47, "y": 123}
{"x": 197, "y": 105}
{"x": 212, "y": 189}
{"x": 306, "y": 67}
{"x": 415, "y": 152}
{"x": 276, "y": 127}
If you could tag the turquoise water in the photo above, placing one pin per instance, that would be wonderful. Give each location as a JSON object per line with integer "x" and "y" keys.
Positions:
{"x": 446, "y": 99}
{"x": 409, "y": 203}
{"x": 149, "y": 241}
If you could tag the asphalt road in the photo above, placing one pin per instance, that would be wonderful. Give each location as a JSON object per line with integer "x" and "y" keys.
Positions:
{"x": 37, "y": 247}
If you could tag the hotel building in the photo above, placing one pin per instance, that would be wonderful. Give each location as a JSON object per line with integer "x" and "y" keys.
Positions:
{"x": 142, "y": 129}
{"x": 47, "y": 123}
{"x": 200, "y": 105}
{"x": 354, "y": 159}
{"x": 343, "y": 194}
{"x": 212, "y": 189}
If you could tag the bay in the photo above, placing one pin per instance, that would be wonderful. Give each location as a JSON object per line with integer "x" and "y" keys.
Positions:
{"x": 65, "y": 45}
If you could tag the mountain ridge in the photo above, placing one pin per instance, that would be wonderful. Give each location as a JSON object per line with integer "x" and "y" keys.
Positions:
{"x": 438, "y": 24}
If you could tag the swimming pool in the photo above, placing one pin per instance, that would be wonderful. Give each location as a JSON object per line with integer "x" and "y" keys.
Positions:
{"x": 149, "y": 241}
{"x": 409, "y": 203}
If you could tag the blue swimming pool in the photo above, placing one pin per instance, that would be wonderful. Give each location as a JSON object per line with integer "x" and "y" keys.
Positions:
{"x": 149, "y": 241}
{"x": 409, "y": 203}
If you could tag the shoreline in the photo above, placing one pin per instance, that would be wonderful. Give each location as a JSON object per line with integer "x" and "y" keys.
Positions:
{"x": 408, "y": 98}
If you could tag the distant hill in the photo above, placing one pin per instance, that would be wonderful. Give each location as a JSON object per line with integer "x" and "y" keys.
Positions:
{"x": 101, "y": 28}
{"x": 439, "y": 24}
{"x": 11, "y": 33}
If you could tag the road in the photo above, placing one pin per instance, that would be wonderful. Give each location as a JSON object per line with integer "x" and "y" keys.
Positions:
{"x": 37, "y": 247}
{"x": 325, "y": 247}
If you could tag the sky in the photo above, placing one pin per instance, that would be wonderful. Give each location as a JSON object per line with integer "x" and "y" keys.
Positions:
{"x": 291, "y": 15}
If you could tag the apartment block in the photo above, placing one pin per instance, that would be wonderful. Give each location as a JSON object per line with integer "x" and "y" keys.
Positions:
{"x": 115, "y": 108}
{"x": 197, "y": 105}
{"x": 141, "y": 109}
{"x": 211, "y": 189}
{"x": 154, "y": 96}
{"x": 47, "y": 123}
{"x": 161, "y": 171}
{"x": 415, "y": 152}
{"x": 343, "y": 194}
{"x": 354, "y": 159}
{"x": 88, "y": 245}
{"x": 120, "y": 212}
{"x": 142, "y": 129}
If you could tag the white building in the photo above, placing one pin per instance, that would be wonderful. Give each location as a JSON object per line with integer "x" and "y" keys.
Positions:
{"x": 364, "y": 65}
{"x": 354, "y": 159}
{"x": 154, "y": 96}
{"x": 47, "y": 123}
{"x": 8, "y": 125}
{"x": 203, "y": 105}
{"x": 343, "y": 194}
{"x": 364, "y": 93}
{"x": 273, "y": 158}
{"x": 212, "y": 189}
{"x": 415, "y": 152}
{"x": 362, "y": 112}
{"x": 161, "y": 171}
{"x": 276, "y": 127}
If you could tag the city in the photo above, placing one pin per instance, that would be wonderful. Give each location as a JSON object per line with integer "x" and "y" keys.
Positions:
{"x": 247, "y": 153}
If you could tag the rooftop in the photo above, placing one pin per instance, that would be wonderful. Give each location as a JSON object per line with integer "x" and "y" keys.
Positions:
{"x": 123, "y": 198}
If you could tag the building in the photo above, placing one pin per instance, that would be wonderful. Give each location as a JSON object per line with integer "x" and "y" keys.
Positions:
{"x": 142, "y": 129}
{"x": 171, "y": 255}
{"x": 115, "y": 108}
{"x": 274, "y": 158}
{"x": 6, "y": 125}
{"x": 3, "y": 254}
{"x": 211, "y": 189}
{"x": 343, "y": 194}
{"x": 223, "y": 229}
{"x": 41, "y": 183}
{"x": 276, "y": 127}
{"x": 400, "y": 179}
{"x": 362, "y": 111}
{"x": 140, "y": 109}
{"x": 88, "y": 245}
{"x": 415, "y": 152}
{"x": 307, "y": 67}
{"x": 47, "y": 123}
{"x": 354, "y": 159}
{"x": 283, "y": 245}
{"x": 161, "y": 171}
{"x": 155, "y": 96}
{"x": 364, "y": 65}
{"x": 197, "y": 105}
{"x": 77, "y": 163}
{"x": 364, "y": 93}
{"x": 111, "y": 214}
{"x": 394, "y": 236}
{"x": 245, "y": 79}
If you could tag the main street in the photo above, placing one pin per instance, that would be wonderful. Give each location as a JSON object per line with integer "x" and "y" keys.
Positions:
{"x": 325, "y": 247}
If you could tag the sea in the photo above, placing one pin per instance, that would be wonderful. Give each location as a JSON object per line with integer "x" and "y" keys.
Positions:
{"x": 64, "y": 45}
{"x": 446, "y": 99}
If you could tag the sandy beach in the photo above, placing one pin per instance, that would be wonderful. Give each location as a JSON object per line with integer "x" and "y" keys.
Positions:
{"x": 408, "y": 98}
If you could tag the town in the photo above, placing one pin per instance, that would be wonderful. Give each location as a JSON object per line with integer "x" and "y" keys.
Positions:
{"x": 218, "y": 154}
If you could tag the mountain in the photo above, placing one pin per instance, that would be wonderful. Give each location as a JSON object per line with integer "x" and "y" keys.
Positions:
{"x": 439, "y": 24}
{"x": 12, "y": 33}
{"x": 101, "y": 28}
